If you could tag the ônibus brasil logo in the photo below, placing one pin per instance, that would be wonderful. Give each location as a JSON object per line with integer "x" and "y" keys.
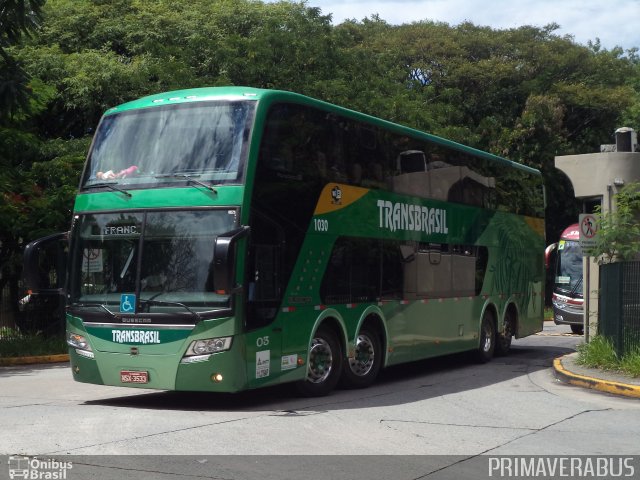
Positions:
{"x": 37, "y": 469}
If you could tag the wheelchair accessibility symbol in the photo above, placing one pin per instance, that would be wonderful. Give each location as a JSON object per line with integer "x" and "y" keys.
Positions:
{"x": 127, "y": 303}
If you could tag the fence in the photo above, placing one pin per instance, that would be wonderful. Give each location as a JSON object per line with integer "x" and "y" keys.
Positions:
{"x": 619, "y": 305}
{"x": 34, "y": 315}
{"x": 9, "y": 314}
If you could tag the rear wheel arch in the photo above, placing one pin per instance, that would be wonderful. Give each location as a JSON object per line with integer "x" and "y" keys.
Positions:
{"x": 331, "y": 319}
{"x": 512, "y": 315}
{"x": 337, "y": 326}
{"x": 491, "y": 309}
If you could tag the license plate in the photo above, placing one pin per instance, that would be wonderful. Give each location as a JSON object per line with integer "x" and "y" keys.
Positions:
{"x": 129, "y": 376}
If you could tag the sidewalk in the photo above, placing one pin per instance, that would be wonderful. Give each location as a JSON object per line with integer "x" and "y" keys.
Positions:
{"x": 568, "y": 371}
{"x": 41, "y": 359}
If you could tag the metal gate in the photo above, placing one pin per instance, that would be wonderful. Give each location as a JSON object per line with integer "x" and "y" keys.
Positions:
{"x": 619, "y": 305}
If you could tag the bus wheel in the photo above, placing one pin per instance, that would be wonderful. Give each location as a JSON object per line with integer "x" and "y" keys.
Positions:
{"x": 324, "y": 364}
{"x": 487, "y": 338}
{"x": 361, "y": 370}
{"x": 503, "y": 340}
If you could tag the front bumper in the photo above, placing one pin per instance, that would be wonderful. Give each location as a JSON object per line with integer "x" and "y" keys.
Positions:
{"x": 565, "y": 313}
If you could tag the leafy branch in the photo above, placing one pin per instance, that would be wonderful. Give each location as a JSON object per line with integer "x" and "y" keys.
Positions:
{"x": 618, "y": 238}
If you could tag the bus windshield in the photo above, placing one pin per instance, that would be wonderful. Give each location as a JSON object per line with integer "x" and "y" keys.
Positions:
{"x": 164, "y": 259}
{"x": 171, "y": 143}
{"x": 569, "y": 268}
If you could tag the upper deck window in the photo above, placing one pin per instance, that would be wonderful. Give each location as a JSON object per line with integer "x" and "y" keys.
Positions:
{"x": 204, "y": 140}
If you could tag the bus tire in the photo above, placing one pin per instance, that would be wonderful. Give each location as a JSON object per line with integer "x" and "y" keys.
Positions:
{"x": 324, "y": 364}
{"x": 487, "y": 344}
{"x": 362, "y": 370}
{"x": 503, "y": 339}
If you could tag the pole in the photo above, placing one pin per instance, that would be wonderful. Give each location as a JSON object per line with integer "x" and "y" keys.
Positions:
{"x": 587, "y": 289}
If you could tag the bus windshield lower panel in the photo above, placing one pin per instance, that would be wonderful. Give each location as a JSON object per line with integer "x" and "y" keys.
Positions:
{"x": 144, "y": 263}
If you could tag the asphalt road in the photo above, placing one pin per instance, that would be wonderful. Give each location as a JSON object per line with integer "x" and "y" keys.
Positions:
{"x": 441, "y": 418}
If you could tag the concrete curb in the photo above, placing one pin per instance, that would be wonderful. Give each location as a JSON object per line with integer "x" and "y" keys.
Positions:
{"x": 13, "y": 361}
{"x": 593, "y": 383}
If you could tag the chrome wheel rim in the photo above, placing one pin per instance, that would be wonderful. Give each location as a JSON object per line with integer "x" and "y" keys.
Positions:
{"x": 486, "y": 346}
{"x": 320, "y": 361}
{"x": 364, "y": 357}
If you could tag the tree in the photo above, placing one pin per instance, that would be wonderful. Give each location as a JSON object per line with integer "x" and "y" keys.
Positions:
{"x": 38, "y": 182}
{"x": 17, "y": 18}
{"x": 618, "y": 236}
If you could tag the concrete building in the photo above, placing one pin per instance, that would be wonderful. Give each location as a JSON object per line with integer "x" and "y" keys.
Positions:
{"x": 596, "y": 178}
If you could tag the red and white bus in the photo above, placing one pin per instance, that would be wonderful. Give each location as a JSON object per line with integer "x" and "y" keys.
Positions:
{"x": 567, "y": 295}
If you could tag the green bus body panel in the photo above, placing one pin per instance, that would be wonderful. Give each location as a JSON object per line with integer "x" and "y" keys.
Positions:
{"x": 162, "y": 361}
{"x": 148, "y": 341}
{"x": 416, "y": 327}
{"x": 426, "y": 327}
{"x": 191, "y": 95}
{"x": 190, "y": 197}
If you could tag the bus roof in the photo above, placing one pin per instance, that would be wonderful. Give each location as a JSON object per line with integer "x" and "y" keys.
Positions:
{"x": 257, "y": 94}
{"x": 571, "y": 233}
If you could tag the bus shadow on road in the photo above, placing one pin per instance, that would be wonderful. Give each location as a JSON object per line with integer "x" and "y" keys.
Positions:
{"x": 402, "y": 384}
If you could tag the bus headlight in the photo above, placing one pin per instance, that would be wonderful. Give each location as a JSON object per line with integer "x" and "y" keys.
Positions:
{"x": 81, "y": 344}
{"x": 208, "y": 346}
{"x": 78, "y": 341}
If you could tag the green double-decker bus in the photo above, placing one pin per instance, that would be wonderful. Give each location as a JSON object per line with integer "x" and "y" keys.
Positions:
{"x": 233, "y": 238}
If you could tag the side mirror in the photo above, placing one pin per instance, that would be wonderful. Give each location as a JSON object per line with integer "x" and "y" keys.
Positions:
{"x": 45, "y": 263}
{"x": 548, "y": 254}
{"x": 224, "y": 271}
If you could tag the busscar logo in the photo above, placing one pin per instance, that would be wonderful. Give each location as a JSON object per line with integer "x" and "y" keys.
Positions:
{"x": 336, "y": 195}
{"x": 37, "y": 469}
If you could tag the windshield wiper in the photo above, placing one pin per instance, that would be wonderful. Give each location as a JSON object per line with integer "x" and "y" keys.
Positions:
{"x": 100, "y": 305}
{"x": 190, "y": 178}
{"x": 147, "y": 302}
{"x": 171, "y": 304}
{"x": 111, "y": 185}
{"x": 575, "y": 287}
{"x": 128, "y": 262}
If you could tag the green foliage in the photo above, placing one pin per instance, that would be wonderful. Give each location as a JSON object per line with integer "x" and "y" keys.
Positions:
{"x": 17, "y": 18}
{"x": 37, "y": 185}
{"x": 599, "y": 353}
{"x": 618, "y": 237}
{"x": 524, "y": 92}
{"x": 630, "y": 363}
{"x": 99, "y": 54}
{"x": 15, "y": 344}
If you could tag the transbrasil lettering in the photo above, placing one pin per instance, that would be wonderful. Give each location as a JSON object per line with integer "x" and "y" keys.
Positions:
{"x": 136, "y": 336}
{"x": 403, "y": 216}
